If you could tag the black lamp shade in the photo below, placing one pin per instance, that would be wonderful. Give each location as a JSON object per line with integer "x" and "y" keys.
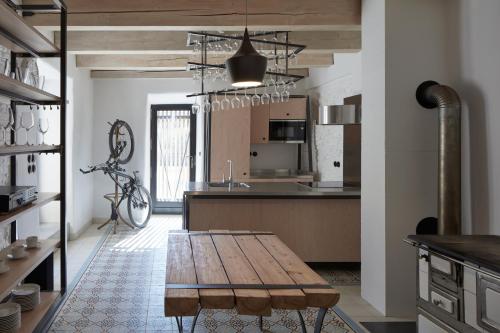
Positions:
{"x": 246, "y": 67}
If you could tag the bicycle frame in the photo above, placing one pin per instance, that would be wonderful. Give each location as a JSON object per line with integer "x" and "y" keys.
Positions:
{"x": 115, "y": 172}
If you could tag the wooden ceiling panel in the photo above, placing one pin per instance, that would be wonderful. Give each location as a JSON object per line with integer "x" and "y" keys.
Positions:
{"x": 178, "y": 61}
{"x": 175, "y": 42}
{"x": 206, "y": 14}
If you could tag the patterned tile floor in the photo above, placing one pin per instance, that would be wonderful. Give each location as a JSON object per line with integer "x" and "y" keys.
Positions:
{"x": 122, "y": 291}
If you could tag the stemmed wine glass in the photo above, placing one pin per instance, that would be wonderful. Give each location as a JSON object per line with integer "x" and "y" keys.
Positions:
{"x": 4, "y": 121}
{"x": 27, "y": 122}
{"x": 225, "y": 103}
{"x": 246, "y": 100}
{"x": 265, "y": 98}
{"x": 215, "y": 104}
{"x": 43, "y": 127}
{"x": 235, "y": 102}
{"x": 195, "y": 108}
{"x": 275, "y": 96}
{"x": 255, "y": 98}
{"x": 9, "y": 126}
{"x": 206, "y": 105}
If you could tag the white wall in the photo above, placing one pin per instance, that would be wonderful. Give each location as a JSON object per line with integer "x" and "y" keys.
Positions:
{"x": 475, "y": 48}
{"x": 373, "y": 202}
{"x": 130, "y": 100}
{"x": 327, "y": 86}
{"x": 79, "y": 139}
{"x": 399, "y": 142}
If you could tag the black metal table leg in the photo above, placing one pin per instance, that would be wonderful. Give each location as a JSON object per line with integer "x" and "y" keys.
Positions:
{"x": 261, "y": 324}
{"x": 319, "y": 320}
{"x": 302, "y": 322}
{"x": 195, "y": 319}
{"x": 178, "y": 320}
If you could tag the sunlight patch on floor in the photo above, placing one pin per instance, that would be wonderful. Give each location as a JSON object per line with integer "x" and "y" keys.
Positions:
{"x": 152, "y": 237}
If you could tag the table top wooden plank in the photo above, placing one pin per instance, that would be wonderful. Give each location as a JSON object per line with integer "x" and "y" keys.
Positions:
{"x": 209, "y": 270}
{"x": 300, "y": 272}
{"x": 240, "y": 271}
{"x": 270, "y": 272}
{"x": 180, "y": 269}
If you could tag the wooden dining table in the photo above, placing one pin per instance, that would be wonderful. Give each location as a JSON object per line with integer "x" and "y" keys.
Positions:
{"x": 253, "y": 272}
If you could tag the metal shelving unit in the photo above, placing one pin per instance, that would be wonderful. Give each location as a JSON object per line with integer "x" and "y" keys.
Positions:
{"x": 25, "y": 41}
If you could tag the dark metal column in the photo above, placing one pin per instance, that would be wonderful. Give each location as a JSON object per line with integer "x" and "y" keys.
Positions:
{"x": 63, "y": 236}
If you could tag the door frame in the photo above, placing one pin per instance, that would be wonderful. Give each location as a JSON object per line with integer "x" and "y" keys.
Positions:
{"x": 163, "y": 208}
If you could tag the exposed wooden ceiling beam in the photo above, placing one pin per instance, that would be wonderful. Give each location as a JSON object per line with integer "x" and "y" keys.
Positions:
{"x": 205, "y": 14}
{"x": 96, "y": 74}
{"x": 100, "y": 74}
{"x": 174, "y": 42}
{"x": 178, "y": 61}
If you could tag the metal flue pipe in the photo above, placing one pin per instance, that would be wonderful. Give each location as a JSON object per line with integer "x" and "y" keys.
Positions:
{"x": 432, "y": 95}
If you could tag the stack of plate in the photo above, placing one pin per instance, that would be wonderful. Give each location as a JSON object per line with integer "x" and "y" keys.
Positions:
{"x": 10, "y": 317}
{"x": 27, "y": 296}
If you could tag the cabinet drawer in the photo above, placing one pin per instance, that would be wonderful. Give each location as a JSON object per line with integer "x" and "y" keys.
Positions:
{"x": 442, "y": 265}
{"x": 295, "y": 108}
{"x": 429, "y": 324}
{"x": 488, "y": 303}
{"x": 444, "y": 273}
{"x": 444, "y": 302}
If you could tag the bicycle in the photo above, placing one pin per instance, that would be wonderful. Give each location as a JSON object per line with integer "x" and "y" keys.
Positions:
{"x": 139, "y": 206}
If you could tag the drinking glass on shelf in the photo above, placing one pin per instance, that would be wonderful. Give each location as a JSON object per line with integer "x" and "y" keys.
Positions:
{"x": 43, "y": 127}
{"x": 27, "y": 122}
{"x": 195, "y": 108}
{"x": 235, "y": 102}
{"x": 9, "y": 126}
{"x": 265, "y": 98}
{"x": 4, "y": 121}
{"x": 285, "y": 95}
{"x": 225, "y": 103}
{"x": 207, "y": 106}
{"x": 275, "y": 96}
{"x": 39, "y": 81}
{"x": 4, "y": 66}
{"x": 255, "y": 98}
{"x": 246, "y": 100}
{"x": 215, "y": 104}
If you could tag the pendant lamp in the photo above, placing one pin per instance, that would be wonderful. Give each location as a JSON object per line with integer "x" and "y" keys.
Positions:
{"x": 246, "y": 67}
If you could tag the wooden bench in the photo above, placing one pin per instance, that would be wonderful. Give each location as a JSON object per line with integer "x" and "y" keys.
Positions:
{"x": 253, "y": 272}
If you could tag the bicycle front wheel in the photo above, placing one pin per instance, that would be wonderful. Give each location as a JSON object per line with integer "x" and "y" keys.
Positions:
{"x": 139, "y": 206}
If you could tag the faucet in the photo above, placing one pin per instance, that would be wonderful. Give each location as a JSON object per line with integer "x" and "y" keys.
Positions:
{"x": 230, "y": 178}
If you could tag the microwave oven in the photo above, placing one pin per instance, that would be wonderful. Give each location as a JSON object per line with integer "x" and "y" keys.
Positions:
{"x": 287, "y": 131}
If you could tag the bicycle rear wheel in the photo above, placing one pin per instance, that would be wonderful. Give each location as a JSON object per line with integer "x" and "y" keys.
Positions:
{"x": 121, "y": 141}
{"x": 139, "y": 206}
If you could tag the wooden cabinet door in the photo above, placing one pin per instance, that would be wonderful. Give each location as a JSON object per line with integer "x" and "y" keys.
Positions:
{"x": 230, "y": 140}
{"x": 295, "y": 108}
{"x": 259, "y": 126}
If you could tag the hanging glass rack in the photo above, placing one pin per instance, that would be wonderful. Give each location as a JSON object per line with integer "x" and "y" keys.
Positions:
{"x": 275, "y": 45}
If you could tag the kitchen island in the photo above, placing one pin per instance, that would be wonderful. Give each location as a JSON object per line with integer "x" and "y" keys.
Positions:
{"x": 319, "y": 224}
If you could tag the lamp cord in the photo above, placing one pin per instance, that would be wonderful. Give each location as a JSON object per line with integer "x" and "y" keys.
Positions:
{"x": 246, "y": 13}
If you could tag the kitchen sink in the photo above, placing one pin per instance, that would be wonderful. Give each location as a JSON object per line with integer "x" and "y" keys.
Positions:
{"x": 227, "y": 184}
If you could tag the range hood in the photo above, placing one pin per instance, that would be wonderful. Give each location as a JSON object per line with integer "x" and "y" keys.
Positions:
{"x": 339, "y": 115}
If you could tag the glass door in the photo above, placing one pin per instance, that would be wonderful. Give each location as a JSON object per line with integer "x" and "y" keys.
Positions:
{"x": 173, "y": 149}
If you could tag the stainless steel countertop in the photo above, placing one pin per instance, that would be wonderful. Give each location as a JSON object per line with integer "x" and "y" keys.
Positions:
{"x": 278, "y": 190}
